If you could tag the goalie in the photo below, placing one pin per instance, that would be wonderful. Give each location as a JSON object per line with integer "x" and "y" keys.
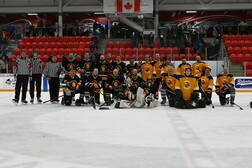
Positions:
{"x": 187, "y": 92}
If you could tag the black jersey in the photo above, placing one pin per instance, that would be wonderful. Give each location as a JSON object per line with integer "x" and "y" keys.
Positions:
{"x": 115, "y": 81}
{"x": 71, "y": 82}
{"x": 121, "y": 67}
{"x": 70, "y": 64}
{"x": 130, "y": 67}
{"x": 94, "y": 79}
{"x": 87, "y": 65}
{"x": 104, "y": 67}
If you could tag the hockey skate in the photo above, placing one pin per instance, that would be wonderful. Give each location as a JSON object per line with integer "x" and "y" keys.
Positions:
{"x": 15, "y": 101}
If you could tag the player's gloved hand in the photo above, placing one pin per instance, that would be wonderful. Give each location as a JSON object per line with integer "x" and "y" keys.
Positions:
{"x": 225, "y": 88}
{"x": 217, "y": 91}
{"x": 194, "y": 96}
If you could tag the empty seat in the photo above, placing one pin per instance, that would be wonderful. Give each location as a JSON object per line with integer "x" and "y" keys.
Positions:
{"x": 238, "y": 37}
{"x": 234, "y": 43}
{"x": 114, "y": 51}
{"x": 108, "y": 50}
{"x": 134, "y": 50}
{"x": 248, "y": 43}
{"x": 60, "y": 51}
{"x": 244, "y": 50}
{"x": 237, "y": 50}
{"x": 249, "y": 72}
{"x": 141, "y": 51}
{"x": 122, "y": 51}
{"x": 110, "y": 44}
{"x": 228, "y": 43}
{"x": 128, "y": 51}
{"x": 175, "y": 50}
{"x": 240, "y": 58}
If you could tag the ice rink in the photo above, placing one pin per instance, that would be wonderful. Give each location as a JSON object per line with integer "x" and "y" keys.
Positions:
{"x": 52, "y": 135}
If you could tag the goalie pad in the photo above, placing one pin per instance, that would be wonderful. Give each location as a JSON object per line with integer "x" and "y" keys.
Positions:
{"x": 140, "y": 98}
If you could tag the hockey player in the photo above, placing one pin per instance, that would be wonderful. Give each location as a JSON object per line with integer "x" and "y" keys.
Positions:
{"x": 86, "y": 65}
{"x": 52, "y": 71}
{"x": 225, "y": 85}
{"x": 22, "y": 71}
{"x": 166, "y": 66}
{"x": 136, "y": 81}
{"x": 94, "y": 83}
{"x": 207, "y": 86}
{"x": 131, "y": 66}
{"x": 105, "y": 69}
{"x": 109, "y": 58}
{"x": 72, "y": 86}
{"x": 187, "y": 92}
{"x": 198, "y": 68}
{"x": 70, "y": 63}
{"x": 119, "y": 65}
{"x": 168, "y": 87}
{"x": 157, "y": 68}
{"x": 114, "y": 83}
{"x": 181, "y": 68}
{"x": 147, "y": 68}
{"x": 36, "y": 76}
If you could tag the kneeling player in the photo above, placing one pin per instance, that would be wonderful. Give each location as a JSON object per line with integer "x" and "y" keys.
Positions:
{"x": 72, "y": 86}
{"x": 187, "y": 92}
{"x": 225, "y": 85}
{"x": 168, "y": 87}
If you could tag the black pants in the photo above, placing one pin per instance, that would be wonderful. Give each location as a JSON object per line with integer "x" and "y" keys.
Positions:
{"x": 54, "y": 85}
{"x": 36, "y": 78}
{"x": 22, "y": 81}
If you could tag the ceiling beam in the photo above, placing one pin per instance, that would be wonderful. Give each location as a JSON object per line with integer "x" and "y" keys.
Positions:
{"x": 99, "y": 2}
{"x": 68, "y": 3}
{"x": 208, "y": 7}
{"x": 50, "y": 9}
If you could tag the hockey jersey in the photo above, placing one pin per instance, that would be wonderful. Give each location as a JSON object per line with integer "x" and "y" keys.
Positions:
{"x": 187, "y": 85}
{"x": 223, "y": 80}
{"x": 207, "y": 83}
{"x": 72, "y": 82}
{"x": 70, "y": 64}
{"x": 181, "y": 68}
{"x": 115, "y": 81}
{"x": 170, "y": 81}
{"x": 157, "y": 68}
{"x": 198, "y": 68}
{"x": 147, "y": 70}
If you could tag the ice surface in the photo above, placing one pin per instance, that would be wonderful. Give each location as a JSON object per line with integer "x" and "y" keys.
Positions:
{"x": 49, "y": 135}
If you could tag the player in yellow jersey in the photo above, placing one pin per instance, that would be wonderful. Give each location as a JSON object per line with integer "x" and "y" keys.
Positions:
{"x": 187, "y": 92}
{"x": 207, "y": 86}
{"x": 167, "y": 64}
{"x": 157, "y": 67}
{"x": 198, "y": 67}
{"x": 181, "y": 68}
{"x": 225, "y": 85}
{"x": 168, "y": 87}
{"x": 147, "y": 68}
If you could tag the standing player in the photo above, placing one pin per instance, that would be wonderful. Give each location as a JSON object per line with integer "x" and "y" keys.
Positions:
{"x": 86, "y": 65}
{"x": 187, "y": 92}
{"x": 198, "y": 68}
{"x": 52, "y": 71}
{"x": 168, "y": 87}
{"x": 147, "y": 68}
{"x": 181, "y": 68}
{"x": 207, "y": 86}
{"x": 22, "y": 71}
{"x": 36, "y": 76}
{"x": 119, "y": 65}
{"x": 70, "y": 63}
{"x": 157, "y": 68}
{"x": 166, "y": 66}
{"x": 131, "y": 66}
{"x": 136, "y": 81}
{"x": 225, "y": 85}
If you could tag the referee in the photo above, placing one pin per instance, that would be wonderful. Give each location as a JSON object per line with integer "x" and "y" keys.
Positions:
{"x": 36, "y": 76}
{"x": 52, "y": 71}
{"x": 22, "y": 71}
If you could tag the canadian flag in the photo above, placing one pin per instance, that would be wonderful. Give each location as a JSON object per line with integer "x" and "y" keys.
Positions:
{"x": 128, "y": 6}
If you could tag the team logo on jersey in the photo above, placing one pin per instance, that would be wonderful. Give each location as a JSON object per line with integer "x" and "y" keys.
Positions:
{"x": 147, "y": 69}
{"x": 70, "y": 66}
{"x": 116, "y": 83}
{"x": 169, "y": 82}
{"x": 73, "y": 83}
{"x": 87, "y": 65}
{"x": 187, "y": 85}
{"x": 103, "y": 68}
{"x": 203, "y": 82}
{"x": 224, "y": 81}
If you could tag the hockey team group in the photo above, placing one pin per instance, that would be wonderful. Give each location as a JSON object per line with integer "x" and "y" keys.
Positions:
{"x": 136, "y": 84}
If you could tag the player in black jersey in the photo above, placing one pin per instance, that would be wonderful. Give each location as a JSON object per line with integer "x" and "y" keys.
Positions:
{"x": 70, "y": 63}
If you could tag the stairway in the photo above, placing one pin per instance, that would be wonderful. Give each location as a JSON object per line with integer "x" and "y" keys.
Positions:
{"x": 102, "y": 45}
{"x": 236, "y": 69}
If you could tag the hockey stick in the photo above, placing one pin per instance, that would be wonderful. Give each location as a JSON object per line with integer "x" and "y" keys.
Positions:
{"x": 238, "y": 106}
{"x": 52, "y": 99}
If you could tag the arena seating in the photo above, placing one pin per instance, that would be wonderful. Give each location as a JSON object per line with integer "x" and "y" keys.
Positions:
{"x": 55, "y": 46}
{"x": 124, "y": 48}
{"x": 239, "y": 48}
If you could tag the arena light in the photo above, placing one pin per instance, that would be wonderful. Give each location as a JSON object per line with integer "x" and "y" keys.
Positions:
{"x": 191, "y": 11}
{"x": 32, "y": 14}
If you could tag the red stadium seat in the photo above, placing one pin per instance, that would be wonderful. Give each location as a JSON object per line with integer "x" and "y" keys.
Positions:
{"x": 87, "y": 45}
{"x": 52, "y": 45}
{"x": 248, "y": 57}
{"x": 249, "y": 72}
{"x": 60, "y": 39}
{"x": 134, "y": 50}
{"x": 48, "y": 39}
{"x": 141, "y": 51}
{"x": 156, "y": 51}
{"x": 113, "y": 57}
{"x": 26, "y": 39}
{"x": 71, "y": 38}
{"x": 181, "y": 56}
{"x": 66, "y": 38}
{"x": 238, "y": 37}
{"x": 162, "y": 50}
{"x": 44, "y": 58}
{"x": 156, "y": 44}
{"x": 122, "y": 44}
{"x": 17, "y": 51}
{"x": 115, "y": 51}
{"x": 110, "y": 44}
{"x": 77, "y": 38}
{"x": 241, "y": 43}
{"x": 74, "y": 50}
{"x": 245, "y": 37}
{"x": 54, "y": 39}
{"x": 127, "y": 57}
{"x": 60, "y": 51}
{"x": 116, "y": 44}
{"x": 48, "y": 51}
{"x": 82, "y": 44}
{"x": 228, "y": 43}
{"x": 237, "y": 50}
{"x": 42, "y": 51}
{"x": 86, "y": 50}
{"x": 108, "y": 50}
{"x": 231, "y": 50}
{"x": 176, "y": 57}
{"x": 70, "y": 44}
{"x": 248, "y": 43}
{"x": 46, "y": 44}
{"x": 225, "y": 37}
{"x": 122, "y": 51}
{"x": 247, "y": 65}
{"x": 148, "y": 51}
{"x": 146, "y": 44}
{"x": 168, "y": 50}
{"x": 175, "y": 50}
{"x": 234, "y": 43}
{"x": 240, "y": 58}
{"x": 189, "y": 50}
{"x": 128, "y": 51}
{"x": 244, "y": 50}
{"x": 141, "y": 57}
{"x": 80, "y": 51}
{"x": 231, "y": 37}
{"x": 60, "y": 58}
{"x": 21, "y": 45}
{"x": 67, "y": 51}
{"x": 54, "y": 51}
{"x": 40, "y": 44}
{"x": 128, "y": 44}
{"x": 78, "y": 57}
{"x": 57, "y": 45}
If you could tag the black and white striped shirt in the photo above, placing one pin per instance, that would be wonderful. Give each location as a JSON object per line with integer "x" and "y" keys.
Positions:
{"x": 53, "y": 69}
{"x": 36, "y": 66}
{"x": 22, "y": 66}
